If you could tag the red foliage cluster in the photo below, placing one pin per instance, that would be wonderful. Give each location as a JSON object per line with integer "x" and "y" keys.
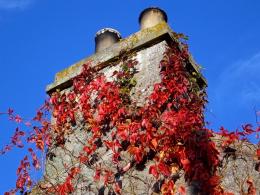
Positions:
{"x": 38, "y": 135}
{"x": 67, "y": 186}
{"x": 170, "y": 126}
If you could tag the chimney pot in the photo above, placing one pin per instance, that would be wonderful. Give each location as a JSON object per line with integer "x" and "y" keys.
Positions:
{"x": 105, "y": 38}
{"x": 151, "y": 16}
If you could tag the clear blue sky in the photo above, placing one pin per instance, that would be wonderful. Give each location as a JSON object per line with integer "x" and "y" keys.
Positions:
{"x": 41, "y": 37}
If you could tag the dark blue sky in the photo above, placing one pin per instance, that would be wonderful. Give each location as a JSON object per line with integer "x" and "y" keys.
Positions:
{"x": 41, "y": 37}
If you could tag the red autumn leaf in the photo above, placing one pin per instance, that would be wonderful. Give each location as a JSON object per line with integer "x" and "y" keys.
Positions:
{"x": 71, "y": 97}
{"x": 146, "y": 123}
{"x": 258, "y": 128}
{"x": 248, "y": 129}
{"x": 40, "y": 143}
{"x": 133, "y": 138}
{"x": 36, "y": 162}
{"x": 83, "y": 159}
{"x": 109, "y": 144}
{"x": 20, "y": 183}
{"x": 6, "y": 149}
{"x": 38, "y": 116}
{"x": 65, "y": 188}
{"x": 167, "y": 187}
{"x": 115, "y": 157}
{"x": 97, "y": 175}
{"x": 223, "y": 131}
{"x": 117, "y": 188}
{"x": 95, "y": 129}
{"x": 121, "y": 112}
{"x": 185, "y": 163}
{"x": 154, "y": 143}
{"x": 108, "y": 177}
{"x": 164, "y": 169}
{"x": 258, "y": 152}
{"x": 251, "y": 187}
{"x": 122, "y": 127}
{"x": 9, "y": 193}
{"x": 123, "y": 134}
{"x": 214, "y": 180}
{"x": 133, "y": 150}
{"x": 182, "y": 190}
{"x": 136, "y": 152}
{"x": 18, "y": 119}
{"x": 23, "y": 174}
{"x": 153, "y": 170}
{"x": 16, "y": 139}
{"x": 74, "y": 171}
{"x": 87, "y": 149}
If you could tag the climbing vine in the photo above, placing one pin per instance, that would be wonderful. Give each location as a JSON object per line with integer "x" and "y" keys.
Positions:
{"x": 169, "y": 129}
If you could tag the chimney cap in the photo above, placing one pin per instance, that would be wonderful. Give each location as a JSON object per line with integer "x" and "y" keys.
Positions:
{"x": 151, "y": 9}
{"x": 111, "y": 30}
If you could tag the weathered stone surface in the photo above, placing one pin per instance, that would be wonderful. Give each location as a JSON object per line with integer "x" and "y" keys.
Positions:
{"x": 148, "y": 71}
{"x": 236, "y": 169}
{"x": 238, "y": 166}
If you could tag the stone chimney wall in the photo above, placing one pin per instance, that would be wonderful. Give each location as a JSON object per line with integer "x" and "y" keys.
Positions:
{"x": 146, "y": 47}
{"x": 148, "y": 73}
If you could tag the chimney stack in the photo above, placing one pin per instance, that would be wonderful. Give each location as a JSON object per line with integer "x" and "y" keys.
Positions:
{"x": 152, "y": 16}
{"x": 105, "y": 38}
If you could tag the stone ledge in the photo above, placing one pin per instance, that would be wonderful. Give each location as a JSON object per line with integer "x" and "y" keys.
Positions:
{"x": 132, "y": 43}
